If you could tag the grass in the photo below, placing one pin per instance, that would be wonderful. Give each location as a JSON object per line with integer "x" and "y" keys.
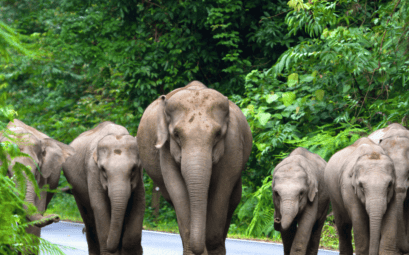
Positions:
{"x": 65, "y": 206}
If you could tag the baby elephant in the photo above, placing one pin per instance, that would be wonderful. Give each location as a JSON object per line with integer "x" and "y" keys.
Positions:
{"x": 106, "y": 179}
{"x": 300, "y": 201}
{"x": 360, "y": 180}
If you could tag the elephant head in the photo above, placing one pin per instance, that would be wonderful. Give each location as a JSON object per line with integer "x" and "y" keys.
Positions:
{"x": 192, "y": 125}
{"x": 294, "y": 185}
{"x": 46, "y": 153}
{"x": 119, "y": 167}
{"x": 372, "y": 175}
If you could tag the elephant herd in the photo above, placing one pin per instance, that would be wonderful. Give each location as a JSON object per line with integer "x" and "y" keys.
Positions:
{"x": 366, "y": 184}
{"x": 194, "y": 143}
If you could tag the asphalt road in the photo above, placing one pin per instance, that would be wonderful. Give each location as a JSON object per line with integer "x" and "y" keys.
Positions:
{"x": 153, "y": 243}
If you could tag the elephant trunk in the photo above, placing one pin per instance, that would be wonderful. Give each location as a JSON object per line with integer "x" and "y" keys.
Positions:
{"x": 196, "y": 169}
{"x": 376, "y": 209}
{"x": 31, "y": 198}
{"x": 288, "y": 210}
{"x": 119, "y": 194}
{"x": 401, "y": 234}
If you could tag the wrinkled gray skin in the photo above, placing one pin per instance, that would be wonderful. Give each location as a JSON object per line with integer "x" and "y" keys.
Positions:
{"x": 106, "y": 179}
{"x": 300, "y": 200}
{"x": 360, "y": 180}
{"x": 49, "y": 155}
{"x": 194, "y": 143}
{"x": 394, "y": 139}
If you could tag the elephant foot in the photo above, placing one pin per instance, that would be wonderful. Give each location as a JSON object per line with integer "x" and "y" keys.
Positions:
{"x": 219, "y": 250}
{"x": 191, "y": 253}
{"x": 188, "y": 252}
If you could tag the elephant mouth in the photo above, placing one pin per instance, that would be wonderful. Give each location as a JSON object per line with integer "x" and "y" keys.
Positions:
{"x": 277, "y": 220}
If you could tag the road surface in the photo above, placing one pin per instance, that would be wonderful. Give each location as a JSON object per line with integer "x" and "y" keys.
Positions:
{"x": 153, "y": 243}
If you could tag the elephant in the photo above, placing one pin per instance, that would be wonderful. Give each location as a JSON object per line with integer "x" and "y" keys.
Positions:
{"x": 300, "y": 200}
{"x": 394, "y": 140}
{"x": 49, "y": 155}
{"x": 360, "y": 180}
{"x": 194, "y": 143}
{"x": 107, "y": 184}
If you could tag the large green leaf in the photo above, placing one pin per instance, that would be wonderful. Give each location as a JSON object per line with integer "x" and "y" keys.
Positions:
{"x": 292, "y": 80}
{"x": 288, "y": 98}
{"x": 263, "y": 117}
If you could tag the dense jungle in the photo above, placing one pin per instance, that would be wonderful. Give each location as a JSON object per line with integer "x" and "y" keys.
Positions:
{"x": 312, "y": 74}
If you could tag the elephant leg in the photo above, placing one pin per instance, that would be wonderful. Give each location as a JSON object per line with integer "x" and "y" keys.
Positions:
{"x": 223, "y": 200}
{"x": 344, "y": 227}
{"x": 37, "y": 232}
{"x": 314, "y": 243}
{"x": 176, "y": 188}
{"x": 234, "y": 202}
{"x": 132, "y": 229}
{"x": 288, "y": 237}
{"x": 406, "y": 213}
{"x": 360, "y": 225}
{"x": 89, "y": 222}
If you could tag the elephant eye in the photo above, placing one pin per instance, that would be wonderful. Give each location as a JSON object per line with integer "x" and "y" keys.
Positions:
{"x": 104, "y": 173}
{"x": 276, "y": 194}
{"x": 133, "y": 171}
{"x": 218, "y": 133}
{"x": 361, "y": 187}
{"x": 176, "y": 134}
{"x": 390, "y": 185}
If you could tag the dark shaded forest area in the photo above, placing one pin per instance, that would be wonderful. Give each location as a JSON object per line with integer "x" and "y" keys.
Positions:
{"x": 315, "y": 74}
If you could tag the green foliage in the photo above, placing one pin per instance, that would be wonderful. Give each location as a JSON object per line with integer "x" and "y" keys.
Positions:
{"x": 13, "y": 40}
{"x": 14, "y": 210}
{"x": 344, "y": 79}
{"x": 262, "y": 222}
{"x": 102, "y": 55}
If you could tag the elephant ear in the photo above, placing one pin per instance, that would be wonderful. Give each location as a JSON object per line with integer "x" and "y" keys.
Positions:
{"x": 95, "y": 156}
{"x": 52, "y": 155}
{"x": 138, "y": 158}
{"x": 218, "y": 150}
{"x": 162, "y": 125}
{"x": 312, "y": 181}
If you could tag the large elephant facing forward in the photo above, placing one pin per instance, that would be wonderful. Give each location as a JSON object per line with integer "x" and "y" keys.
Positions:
{"x": 394, "y": 139}
{"x": 49, "y": 155}
{"x": 194, "y": 143}
{"x": 107, "y": 184}
{"x": 360, "y": 180}
{"x": 300, "y": 201}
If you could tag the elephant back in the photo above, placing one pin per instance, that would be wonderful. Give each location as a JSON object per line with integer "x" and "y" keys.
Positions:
{"x": 19, "y": 124}
{"x": 389, "y": 131}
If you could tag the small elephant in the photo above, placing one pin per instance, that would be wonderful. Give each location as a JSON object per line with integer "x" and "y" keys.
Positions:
{"x": 194, "y": 144}
{"x": 360, "y": 180}
{"x": 300, "y": 200}
{"x": 49, "y": 155}
{"x": 107, "y": 184}
{"x": 394, "y": 140}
